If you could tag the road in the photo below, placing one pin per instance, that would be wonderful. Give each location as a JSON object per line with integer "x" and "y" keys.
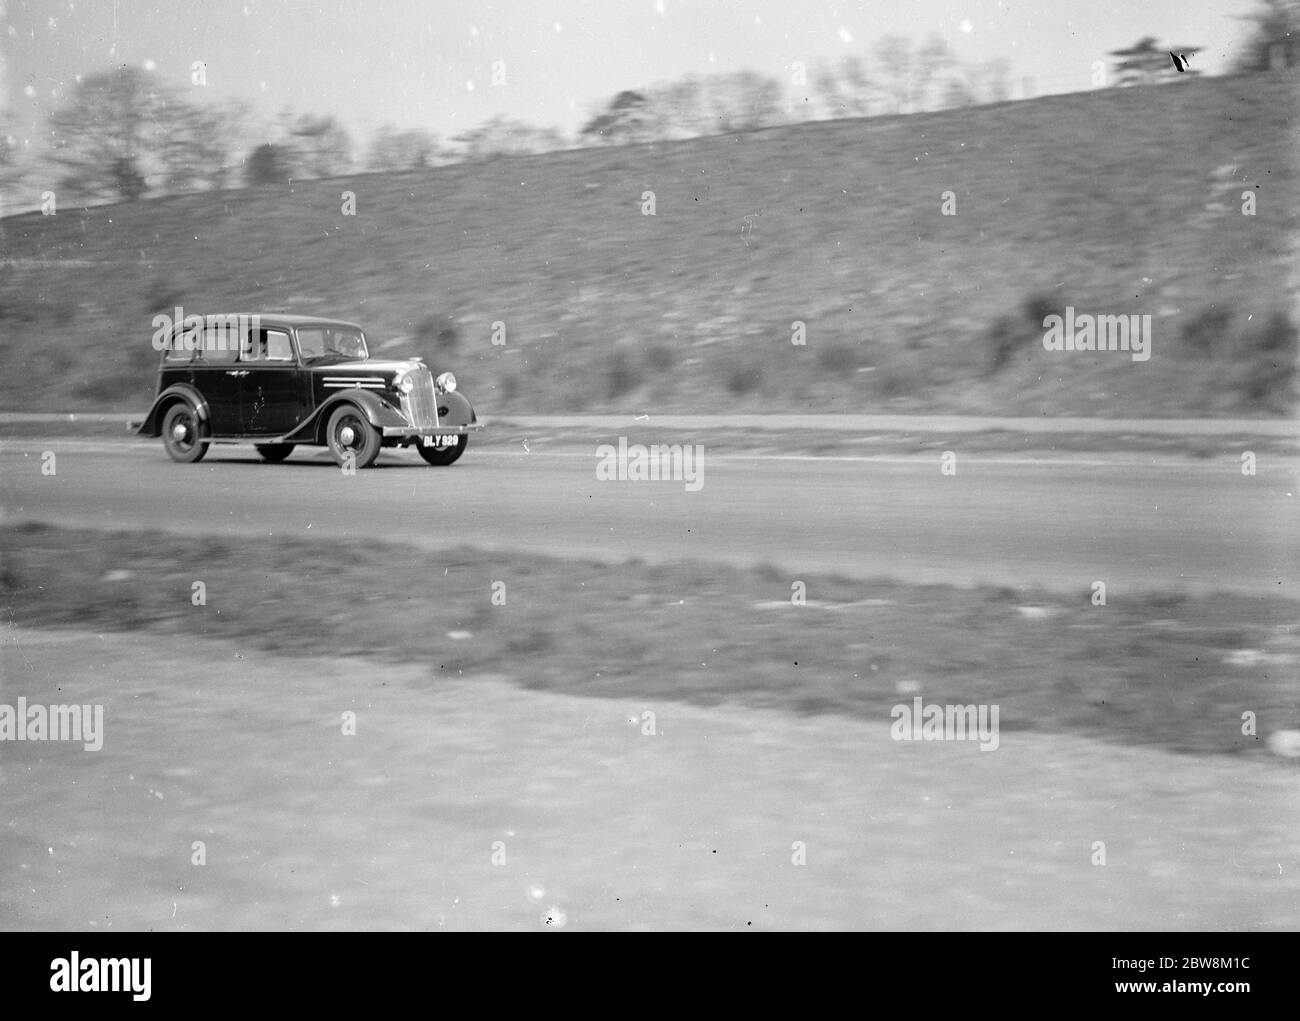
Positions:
{"x": 838, "y": 422}
{"x": 1135, "y": 522}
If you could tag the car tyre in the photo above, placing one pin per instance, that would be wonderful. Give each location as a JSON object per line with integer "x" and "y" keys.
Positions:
{"x": 182, "y": 433}
{"x": 274, "y": 452}
{"x": 350, "y": 434}
{"x": 441, "y": 456}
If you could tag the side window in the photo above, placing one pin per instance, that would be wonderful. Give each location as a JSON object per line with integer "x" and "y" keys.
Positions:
{"x": 176, "y": 352}
{"x": 278, "y": 348}
{"x": 266, "y": 346}
{"x": 214, "y": 343}
{"x": 312, "y": 342}
{"x": 220, "y": 344}
{"x": 331, "y": 340}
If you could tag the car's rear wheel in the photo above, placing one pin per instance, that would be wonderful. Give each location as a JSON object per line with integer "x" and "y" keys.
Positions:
{"x": 351, "y": 438}
{"x": 444, "y": 455}
{"x": 274, "y": 452}
{"x": 182, "y": 434}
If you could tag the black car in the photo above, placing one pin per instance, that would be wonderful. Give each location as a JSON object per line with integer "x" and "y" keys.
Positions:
{"x": 280, "y": 381}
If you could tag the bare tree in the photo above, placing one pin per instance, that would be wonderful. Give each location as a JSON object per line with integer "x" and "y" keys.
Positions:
{"x": 846, "y": 90}
{"x": 996, "y": 80}
{"x": 124, "y": 133}
{"x": 743, "y": 101}
{"x": 933, "y": 63}
{"x": 391, "y": 149}
{"x": 8, "y": 154}
{"x": 829, "y": 91}
{"x": 1274, "y": 42}
{"x": 897, "y": 66}
{"x": 109, "y": 138}
{"x": 10, "y": 171}
{"x": 859, "y": 89}
{"x": 629, "y": 117}
{"x": 321, "y": 146}
{"x": 506, "y": 136}
{"x": 958, "y": 92}
{"x": 988, "y": 82}
{"x": 688, "y": 108}
{"x": 202, "y": 147}
{"x": 268, "y": 164}
{"x": 1145, "y": 62}
{"x": 677, "y": 109}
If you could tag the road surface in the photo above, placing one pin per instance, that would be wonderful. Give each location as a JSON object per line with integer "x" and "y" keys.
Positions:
{"x": 1133, "y": 522}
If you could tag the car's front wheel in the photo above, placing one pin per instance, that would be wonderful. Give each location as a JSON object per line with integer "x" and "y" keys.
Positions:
{"x": 182, "y": 434}
{"x": 444, "y": 455}
{"x": 274, "y": 452}
{"x": 351, "y": 438}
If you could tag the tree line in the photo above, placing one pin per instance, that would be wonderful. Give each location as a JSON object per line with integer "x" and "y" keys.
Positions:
{"x": 125, "y": 134}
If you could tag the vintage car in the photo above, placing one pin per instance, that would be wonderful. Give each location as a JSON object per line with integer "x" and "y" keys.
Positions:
{"x": 280, "y": 381}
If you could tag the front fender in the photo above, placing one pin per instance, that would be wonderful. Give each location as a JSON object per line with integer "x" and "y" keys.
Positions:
{"x": 312, "y": 428}
{"x": 152, "y": 424}
{"x": 459, "y": 411}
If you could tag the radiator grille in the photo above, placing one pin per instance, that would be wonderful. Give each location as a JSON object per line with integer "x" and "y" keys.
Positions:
{"x": 419, "y": 406}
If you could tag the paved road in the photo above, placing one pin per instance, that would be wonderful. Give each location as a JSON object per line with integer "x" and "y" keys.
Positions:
{"x": 1283, "y": 427}
{"x": 1135, "y": 523}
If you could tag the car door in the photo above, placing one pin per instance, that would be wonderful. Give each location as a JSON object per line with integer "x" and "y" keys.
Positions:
{"x": 216, "y": 376}
{"x": 271, "y": 396}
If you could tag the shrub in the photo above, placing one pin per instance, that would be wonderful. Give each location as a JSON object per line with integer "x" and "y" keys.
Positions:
{"x": 839, "y": 359}
{"x": 1207, "y": 332}
{"x": 535, "y": 642}
{"x": 19, "y": 307}
{"x": 267, "y": 164}
{"x": 1009, "y": 332}
{"x": 1270, "y": 349}
{"x": 1275, "y": 335}
{"x": 438, "y": 332}
{"x": 899, "y": 380}
{"x": 163, "y": 295}
{"x": 1001, "y": 339}
{"x": 620, "y": 374}
{"x": 659, "y": 357}
{"x": 744, "y": 379}
{"x": 1036, "y": 308}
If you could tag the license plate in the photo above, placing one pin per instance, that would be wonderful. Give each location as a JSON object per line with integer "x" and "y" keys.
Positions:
{"x": 438, "y": 441}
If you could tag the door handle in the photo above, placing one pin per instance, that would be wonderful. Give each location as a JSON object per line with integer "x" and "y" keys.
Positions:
{"x": 236, "y": 372}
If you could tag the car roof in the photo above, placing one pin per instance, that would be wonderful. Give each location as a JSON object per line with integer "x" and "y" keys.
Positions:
{"x": 285, "y": 319}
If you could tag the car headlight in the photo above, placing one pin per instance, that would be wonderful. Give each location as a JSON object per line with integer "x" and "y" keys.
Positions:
{"x": 445, "y": 384}
{"x": 404, "y": 384}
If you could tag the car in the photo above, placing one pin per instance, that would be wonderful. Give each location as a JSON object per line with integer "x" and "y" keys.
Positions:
{"x": 283, "y": 381}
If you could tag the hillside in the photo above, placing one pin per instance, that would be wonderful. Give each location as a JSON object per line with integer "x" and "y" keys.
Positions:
{"x": 1114, "y": 201}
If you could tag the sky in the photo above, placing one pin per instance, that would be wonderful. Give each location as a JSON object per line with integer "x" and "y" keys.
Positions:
{"x": 429, "y": 63}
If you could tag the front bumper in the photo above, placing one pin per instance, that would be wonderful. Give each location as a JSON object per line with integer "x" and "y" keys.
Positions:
{"x": 413, "y": 431}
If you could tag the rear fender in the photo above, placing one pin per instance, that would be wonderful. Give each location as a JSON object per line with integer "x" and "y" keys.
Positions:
{"x": 152, "y": 424}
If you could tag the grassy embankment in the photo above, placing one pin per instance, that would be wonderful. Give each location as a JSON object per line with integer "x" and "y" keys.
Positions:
{"x": 1113, "y": 201}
